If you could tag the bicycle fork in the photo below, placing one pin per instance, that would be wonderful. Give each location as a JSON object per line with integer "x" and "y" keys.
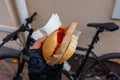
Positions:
{"x": 19, "y": 69}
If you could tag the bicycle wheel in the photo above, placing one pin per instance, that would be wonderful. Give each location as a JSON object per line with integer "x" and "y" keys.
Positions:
{"x": 93, "y": 71}
{"x": 8, "y": 66}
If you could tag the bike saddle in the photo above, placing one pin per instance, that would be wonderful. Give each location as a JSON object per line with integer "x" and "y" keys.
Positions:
{"x": 109, "y": 26}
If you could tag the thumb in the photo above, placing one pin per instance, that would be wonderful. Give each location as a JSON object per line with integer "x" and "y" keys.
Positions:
{"x": 38, "y": 43}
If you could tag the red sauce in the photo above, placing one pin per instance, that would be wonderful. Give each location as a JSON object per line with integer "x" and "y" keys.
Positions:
{"x": 60, "y": 35}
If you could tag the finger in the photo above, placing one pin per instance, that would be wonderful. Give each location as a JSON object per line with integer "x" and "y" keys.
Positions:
{"x": 38, "y": 43}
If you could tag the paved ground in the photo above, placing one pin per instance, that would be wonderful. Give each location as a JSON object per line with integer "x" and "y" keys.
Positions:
{"x": 8, "y": 68}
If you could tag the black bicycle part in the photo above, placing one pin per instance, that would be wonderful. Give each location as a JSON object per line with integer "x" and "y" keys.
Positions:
{"x": 14, "y": 36}
{"x": 9, "y": 73}
{"x": 22, "y": 28}
{"x": 92, "y": 69}
{"x": 100, "y": 28}
{"x": 68, "y": 75}
{"x": 32, "y": 18}
{"x": 25, "y": 49}
{"x": 81, "y": 48}
{"x": 87, "y": 54}
{"x": 109, "y": 26}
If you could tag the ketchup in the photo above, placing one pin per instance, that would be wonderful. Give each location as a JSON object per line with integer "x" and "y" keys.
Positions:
{"x": 60, "y": 35}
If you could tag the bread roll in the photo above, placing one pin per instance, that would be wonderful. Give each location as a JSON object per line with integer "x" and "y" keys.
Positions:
{"x": 54, "y": 54}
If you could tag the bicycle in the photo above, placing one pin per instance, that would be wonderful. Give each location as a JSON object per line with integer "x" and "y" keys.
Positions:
{"x": 97, "y": 68}
{"x": 6, "y": 60}
{"x": 82, "y": 73}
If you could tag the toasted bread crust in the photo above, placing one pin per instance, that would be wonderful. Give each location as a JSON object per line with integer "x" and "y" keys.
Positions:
{"x": 48, "y": 47}
{"x": 70, "y": 50}
{"x": 64, "y": 45}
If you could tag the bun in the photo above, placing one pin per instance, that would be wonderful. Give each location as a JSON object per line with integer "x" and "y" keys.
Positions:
{"x": 70, "y": 50}
{"x": 55, "y": 53}
{"x": 49, "y": 45}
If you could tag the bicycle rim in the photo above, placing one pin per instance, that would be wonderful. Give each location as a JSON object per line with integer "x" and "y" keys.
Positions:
{"x": 9, "y": 65}
{"x": 93, "y": 71}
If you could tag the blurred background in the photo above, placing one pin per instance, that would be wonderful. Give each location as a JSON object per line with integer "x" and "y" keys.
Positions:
{"x": 14, "y": 12}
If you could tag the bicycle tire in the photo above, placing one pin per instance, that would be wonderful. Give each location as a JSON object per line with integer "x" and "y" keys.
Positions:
{"x": 92, "y": 71}
{"x": 8, "y": 67}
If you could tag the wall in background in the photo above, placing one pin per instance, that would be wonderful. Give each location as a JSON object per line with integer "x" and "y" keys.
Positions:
{"x": 8, "y": 13}
{"x": 9, "y": 21}
{"x": 83, "y": 12}
{"x": 116, "y": 11}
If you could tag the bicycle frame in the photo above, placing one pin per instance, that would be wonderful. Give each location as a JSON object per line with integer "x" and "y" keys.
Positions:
{"x": 86, "y": 56}
{"x": 22, "y": 53}
{"x": 29, "y": 42}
